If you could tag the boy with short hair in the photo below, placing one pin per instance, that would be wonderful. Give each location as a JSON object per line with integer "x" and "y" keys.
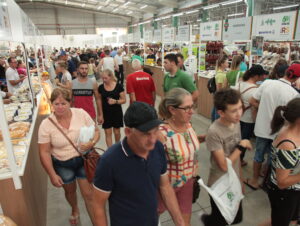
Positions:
{"x": 223, "y": 140}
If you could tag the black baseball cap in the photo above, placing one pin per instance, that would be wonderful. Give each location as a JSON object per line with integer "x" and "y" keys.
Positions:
{"x": 258, "y": 70}
{"x": 141, "y": 116}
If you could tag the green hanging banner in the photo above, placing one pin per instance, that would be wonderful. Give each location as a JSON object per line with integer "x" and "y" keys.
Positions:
{"x": 175, "y": 21}
{"x": 130, "y": 29}
{"x": 250, "y": 4}
{"x": 204, "y": 16}
{"x": 154, "y": 25}
{"x": 142, "y": 30}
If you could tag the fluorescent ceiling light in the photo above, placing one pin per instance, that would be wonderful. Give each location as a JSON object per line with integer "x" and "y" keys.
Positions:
{"x": 99, "y": 7}
{"x": 144, "y": 6}
{"x": 286, "y": 7}
{"x": 146, "y": 22}
{"x": 210, "y": 6}
{"x": 107, "y": 1}
{"x": 66, "y": 2}
{"x": 236, "y": 14}
{"x": 177, "y": 14}
{"x": 129, "y": 12}
{"x": 231, "y": 2}
{"x": 157, "y": 19}
{"x": 83, "y": 5}
{"x": 116, "y": 9}
{"x": 193, "y": 11}
{"x": 127, "y": 3}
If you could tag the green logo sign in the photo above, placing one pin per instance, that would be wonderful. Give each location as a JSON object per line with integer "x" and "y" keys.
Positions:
{"x": 268, "y": 22}
{"x": 286, "y": 19}
{"x": 216, "y": 27}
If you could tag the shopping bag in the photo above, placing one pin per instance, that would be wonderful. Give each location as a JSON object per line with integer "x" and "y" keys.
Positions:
{"x": 226, "y": 193}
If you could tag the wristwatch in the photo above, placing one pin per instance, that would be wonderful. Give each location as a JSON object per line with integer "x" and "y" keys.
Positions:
{"x": 241, "y": 148}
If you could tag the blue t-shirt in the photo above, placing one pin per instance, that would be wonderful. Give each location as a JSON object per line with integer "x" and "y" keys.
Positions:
{"x": 133, "y": 182}
{"x": 243, "y": 67}
{"x": 71, "y": 67}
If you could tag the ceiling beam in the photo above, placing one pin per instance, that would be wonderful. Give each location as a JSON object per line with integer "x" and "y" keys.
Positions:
{"x": 169, "y": 3}
{"x": 80, "y": 9}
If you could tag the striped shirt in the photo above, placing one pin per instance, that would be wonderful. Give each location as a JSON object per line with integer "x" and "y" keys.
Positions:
{"x": 288, "y": 160}
{"x": 180, "y": 151}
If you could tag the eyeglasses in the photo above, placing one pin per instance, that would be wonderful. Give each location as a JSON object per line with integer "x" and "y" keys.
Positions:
{"x": 187, "y": 108}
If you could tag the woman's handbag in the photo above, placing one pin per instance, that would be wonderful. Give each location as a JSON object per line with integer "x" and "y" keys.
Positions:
{"x": 90, "y": 159}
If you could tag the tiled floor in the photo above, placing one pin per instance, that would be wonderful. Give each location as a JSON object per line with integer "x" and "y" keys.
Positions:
{"x": 255, "y": 204}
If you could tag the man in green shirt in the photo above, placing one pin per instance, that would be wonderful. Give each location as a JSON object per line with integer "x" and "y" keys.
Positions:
{"x": 137, "y": 56}
{"x": 177, "y": 78}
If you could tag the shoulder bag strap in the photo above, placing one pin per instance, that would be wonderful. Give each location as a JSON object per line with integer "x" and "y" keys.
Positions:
{"x": 51, "y": 120}
{"x": 286, "y": 140}
{"x": 248, "y": 89}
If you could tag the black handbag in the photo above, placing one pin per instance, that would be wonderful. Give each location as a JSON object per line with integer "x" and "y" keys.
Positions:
{"x": 196, "y": 188}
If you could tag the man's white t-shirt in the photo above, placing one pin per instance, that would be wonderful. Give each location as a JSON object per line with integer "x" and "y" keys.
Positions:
{"x": 243, "y": 86}
{"x": 66, "y": 77}
{"x": 109, "y": 63}
{"x": 12, "y": 74}
{"x": 119, "y": 59}
{"x": 271, "y": 94}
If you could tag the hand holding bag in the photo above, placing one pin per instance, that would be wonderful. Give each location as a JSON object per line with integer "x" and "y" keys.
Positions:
{"x": 226, "y": 193}
{"x": 90, "y": 159}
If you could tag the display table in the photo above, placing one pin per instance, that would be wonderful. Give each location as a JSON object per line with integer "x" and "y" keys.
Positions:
{"x": 28, "y": 205}
{"x": 205, "y": 99}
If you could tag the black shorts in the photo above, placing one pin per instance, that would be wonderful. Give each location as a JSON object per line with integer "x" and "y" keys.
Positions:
{"x": 113, "y": 119}
{"x": 285, "y": 206}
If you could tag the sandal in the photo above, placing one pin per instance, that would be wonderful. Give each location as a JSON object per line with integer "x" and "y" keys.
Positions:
{"x": 74, "y": 220}
{"x": 246, "y": 182}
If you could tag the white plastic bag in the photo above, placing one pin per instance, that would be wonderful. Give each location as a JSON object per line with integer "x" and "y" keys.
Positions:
{"x": 86, "y": 134}
{"x": 226, "y": 193}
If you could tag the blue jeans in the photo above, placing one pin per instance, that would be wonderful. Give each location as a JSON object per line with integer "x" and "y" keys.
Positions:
{"x": 70, "y": 169}
{"x": 263, "y": 146}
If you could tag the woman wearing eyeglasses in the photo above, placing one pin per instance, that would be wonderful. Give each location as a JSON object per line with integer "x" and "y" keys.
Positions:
{"x": 181, "y": 144}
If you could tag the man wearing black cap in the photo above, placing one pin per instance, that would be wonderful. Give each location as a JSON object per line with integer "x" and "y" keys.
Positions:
{"x": 130, "y": 173}
{"x": 270, "y": 95}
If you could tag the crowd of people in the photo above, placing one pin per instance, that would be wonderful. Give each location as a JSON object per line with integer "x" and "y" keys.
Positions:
{"x": 153, "y": 168}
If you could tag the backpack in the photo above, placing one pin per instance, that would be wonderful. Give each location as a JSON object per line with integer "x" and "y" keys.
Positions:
{"x": 211, "y": 85}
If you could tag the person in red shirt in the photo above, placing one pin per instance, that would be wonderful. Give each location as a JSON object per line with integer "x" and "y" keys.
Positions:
{"x": 140, "y": 85}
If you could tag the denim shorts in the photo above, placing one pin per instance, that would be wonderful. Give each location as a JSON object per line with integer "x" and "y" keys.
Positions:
{"x": 70, "y": 169}
{"x": 263, "y": 146}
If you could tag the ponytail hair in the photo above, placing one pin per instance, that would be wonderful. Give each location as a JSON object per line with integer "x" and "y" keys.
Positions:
{"x": 289, "y": 113}
{"x": 278, "y": 119}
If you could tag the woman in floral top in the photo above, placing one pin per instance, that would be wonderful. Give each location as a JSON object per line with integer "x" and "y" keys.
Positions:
{"x": 284, "y": 192}
{"x": 181, "y": 144}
